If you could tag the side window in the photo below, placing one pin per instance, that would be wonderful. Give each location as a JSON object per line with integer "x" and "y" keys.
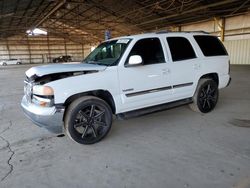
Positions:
{"x": 150, "y": 50}
{"x": 180, "y": 48}
{"x": 210, "y": 45}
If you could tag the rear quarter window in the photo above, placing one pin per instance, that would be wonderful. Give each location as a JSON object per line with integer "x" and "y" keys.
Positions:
{"x": 210, "y": 45}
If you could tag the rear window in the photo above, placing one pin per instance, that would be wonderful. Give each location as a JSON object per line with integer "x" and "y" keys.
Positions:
{"x": 210, "y": 45}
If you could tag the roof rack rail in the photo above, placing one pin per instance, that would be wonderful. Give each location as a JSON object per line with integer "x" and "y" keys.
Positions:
{"x": 197, "y": 32}
{"x": 166, "y": 31}
{"x": 162, "y": 32}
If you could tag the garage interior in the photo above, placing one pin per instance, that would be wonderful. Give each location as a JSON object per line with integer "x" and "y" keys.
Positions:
{"x": 172, "y": 148}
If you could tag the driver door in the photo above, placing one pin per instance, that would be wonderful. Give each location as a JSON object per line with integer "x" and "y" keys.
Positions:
{"x": 146, "y": 84}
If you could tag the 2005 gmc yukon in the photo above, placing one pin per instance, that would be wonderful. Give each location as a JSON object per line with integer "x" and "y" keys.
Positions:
{"x": 127, "y": 75}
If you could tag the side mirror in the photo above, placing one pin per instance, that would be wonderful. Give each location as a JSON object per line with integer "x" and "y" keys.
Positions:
{"x": 135, "y": 60}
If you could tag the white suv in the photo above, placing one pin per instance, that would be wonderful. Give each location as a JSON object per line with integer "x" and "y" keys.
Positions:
{"x": 127, "y": 76}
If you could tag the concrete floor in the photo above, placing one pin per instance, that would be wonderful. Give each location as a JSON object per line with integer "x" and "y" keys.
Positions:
{"x": 173, "y": 148}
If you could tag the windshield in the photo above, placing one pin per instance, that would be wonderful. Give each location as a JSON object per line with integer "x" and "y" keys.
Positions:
{"x": 108, "y": 53}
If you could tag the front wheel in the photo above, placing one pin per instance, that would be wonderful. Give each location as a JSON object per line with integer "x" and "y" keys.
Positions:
{"x": 206, "y": 96}
{"x": 88, "y": 120}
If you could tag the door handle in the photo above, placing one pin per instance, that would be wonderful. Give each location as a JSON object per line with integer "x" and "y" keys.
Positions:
{"x": 165, "y": 71}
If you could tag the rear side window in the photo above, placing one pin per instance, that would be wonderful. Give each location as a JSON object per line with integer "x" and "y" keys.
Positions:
{"x": 210, "y": 45}
{"x": 180, "y": 48}
{"x": 150, "y": 50}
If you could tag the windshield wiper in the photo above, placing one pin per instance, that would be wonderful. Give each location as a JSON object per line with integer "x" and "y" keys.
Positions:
{"x": 91, "y": 62}
{"x": 94, "y": 63}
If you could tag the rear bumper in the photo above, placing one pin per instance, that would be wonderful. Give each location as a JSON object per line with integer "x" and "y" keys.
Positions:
{"x": 224, "y": 81}
{"x": 50, "y": 118}
{"x": 229, "y": 81}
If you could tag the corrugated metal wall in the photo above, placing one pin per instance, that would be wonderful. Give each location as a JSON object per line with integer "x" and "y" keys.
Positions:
{"x": 41, "y": 49}
{"x": 237, "y": 35}
{"x": 239, "y": 51}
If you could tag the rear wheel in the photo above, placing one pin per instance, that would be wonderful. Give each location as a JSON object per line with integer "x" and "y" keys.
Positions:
{"x": 4, "y": 64}
{"x": 88, "y": 120}
{"x": 206, "y": 96}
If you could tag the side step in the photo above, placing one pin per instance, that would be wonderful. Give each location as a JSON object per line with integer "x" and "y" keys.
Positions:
{"x": 148, "y": 110}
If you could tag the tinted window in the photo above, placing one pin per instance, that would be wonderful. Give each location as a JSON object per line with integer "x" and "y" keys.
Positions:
{"x": 150, "y": 50}
{"x": 180, "y": 48}
{"x": 210, "y": 45}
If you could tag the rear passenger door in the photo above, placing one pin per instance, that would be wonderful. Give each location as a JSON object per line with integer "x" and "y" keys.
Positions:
{"x": 183, "y": 66}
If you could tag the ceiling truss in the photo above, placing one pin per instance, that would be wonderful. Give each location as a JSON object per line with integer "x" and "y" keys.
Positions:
{"x": 87, "y": 20}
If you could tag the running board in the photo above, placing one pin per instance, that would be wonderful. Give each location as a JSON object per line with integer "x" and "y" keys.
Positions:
{"x": 148, "y": 110}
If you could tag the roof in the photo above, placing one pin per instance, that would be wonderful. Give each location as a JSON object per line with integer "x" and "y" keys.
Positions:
{"x": 157, "y": 34}
{"x": 86, "y": 20}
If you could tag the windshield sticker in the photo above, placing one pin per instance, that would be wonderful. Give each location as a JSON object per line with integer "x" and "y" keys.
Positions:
{"x": 124, "y": 41}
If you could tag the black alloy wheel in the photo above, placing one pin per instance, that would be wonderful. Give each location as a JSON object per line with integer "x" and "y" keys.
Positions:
{"x": 206, "y": 96}
{"x": 88, "y": 120}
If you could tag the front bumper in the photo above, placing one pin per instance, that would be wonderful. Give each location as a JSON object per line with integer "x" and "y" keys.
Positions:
{"x": 50, "y": 118}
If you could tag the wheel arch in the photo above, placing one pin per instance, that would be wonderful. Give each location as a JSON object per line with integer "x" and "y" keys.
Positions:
{"x": 102, "y": 94}
{"x": 214, "y": 76}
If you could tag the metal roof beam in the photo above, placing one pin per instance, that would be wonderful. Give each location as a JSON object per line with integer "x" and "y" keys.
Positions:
{"x": 187, "y": 12}
{"x": 50, "y": 13}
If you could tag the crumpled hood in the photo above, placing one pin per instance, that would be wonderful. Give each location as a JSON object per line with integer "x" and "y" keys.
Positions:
{"x": 61, "y": 68}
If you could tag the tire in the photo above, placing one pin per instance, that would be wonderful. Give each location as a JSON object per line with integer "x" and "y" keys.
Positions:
{"x": 4, "y": 64}
{"x": 205, "y": 97}
{"x": 88, "y": 120}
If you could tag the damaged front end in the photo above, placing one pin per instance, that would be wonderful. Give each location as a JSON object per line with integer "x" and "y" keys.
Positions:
{"x": 38, "y": 101}
{"x": 41, "y": 80}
